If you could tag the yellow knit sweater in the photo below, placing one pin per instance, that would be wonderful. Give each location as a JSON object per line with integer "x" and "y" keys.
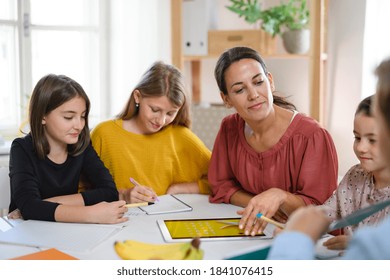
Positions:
{"x": 173, "y": 155}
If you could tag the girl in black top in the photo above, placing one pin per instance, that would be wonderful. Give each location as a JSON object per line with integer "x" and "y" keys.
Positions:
{"x": 47, "y": 164}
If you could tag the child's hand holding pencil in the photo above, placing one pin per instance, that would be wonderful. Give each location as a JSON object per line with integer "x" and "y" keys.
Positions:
{"x": 140, "y": 193}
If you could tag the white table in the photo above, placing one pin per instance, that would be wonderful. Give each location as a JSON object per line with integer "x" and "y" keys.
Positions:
{"x": 144, "y": 228}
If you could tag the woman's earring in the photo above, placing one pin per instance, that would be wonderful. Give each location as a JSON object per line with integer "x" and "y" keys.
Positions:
{"x": 136, "y": 105}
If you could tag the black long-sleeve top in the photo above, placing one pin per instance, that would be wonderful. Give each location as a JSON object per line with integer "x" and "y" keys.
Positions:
{"x": 33, "y": 180}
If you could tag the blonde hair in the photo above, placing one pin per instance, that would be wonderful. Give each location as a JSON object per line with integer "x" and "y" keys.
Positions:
{"x": 161, "y": 80}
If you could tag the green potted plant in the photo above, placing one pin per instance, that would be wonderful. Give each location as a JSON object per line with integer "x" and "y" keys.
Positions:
{"x": 290, "y": 20}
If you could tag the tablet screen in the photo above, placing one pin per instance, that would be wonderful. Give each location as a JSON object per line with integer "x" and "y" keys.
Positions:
{"x": 203, "y": 228}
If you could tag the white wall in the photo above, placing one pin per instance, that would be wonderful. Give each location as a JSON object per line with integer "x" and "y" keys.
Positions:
{"x": 376, "y": 45}
{"x": 140, "y": 35}
{"x": 345, "y": 62}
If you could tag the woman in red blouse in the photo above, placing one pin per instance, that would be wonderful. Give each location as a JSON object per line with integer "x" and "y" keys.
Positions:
{"x": 267, "y": 157}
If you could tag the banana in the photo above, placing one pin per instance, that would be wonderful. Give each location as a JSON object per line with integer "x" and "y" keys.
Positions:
{"x": 135, "y": 250}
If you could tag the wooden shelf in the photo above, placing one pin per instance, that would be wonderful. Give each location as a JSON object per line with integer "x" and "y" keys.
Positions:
{"x": 317, "y": 56}
{"x": 275, "y": 56}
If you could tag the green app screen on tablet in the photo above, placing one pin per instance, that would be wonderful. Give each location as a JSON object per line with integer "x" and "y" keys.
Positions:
{"x": 204, "y": 228}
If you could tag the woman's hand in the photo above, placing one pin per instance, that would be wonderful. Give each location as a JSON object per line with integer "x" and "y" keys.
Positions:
{"x": 268, "y": 204}
{"x": 109, "y": 212}
{"x": 339, "y": 242}
{"x": 137, "y": 194}
{"x": 15, "y": 214}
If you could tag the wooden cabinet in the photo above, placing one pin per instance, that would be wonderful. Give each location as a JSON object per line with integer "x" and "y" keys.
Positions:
{"x": 259, "y": 40}
{"x": 317, "y": 55}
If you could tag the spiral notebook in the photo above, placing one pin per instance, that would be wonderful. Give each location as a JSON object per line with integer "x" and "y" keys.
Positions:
{"x": 167, "y": 204}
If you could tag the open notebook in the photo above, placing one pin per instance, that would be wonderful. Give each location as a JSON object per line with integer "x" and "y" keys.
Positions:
{"x": 167, "y": 204}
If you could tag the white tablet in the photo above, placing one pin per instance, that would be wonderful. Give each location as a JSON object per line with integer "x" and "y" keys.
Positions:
{"x": 210, "y": 229}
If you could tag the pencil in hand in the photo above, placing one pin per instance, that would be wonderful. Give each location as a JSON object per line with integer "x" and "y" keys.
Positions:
{"x": 132, "y": 180}
{"x": 133, "y": 205}
{"x": 135, "y": 183}
{"x": 268, "y": 220}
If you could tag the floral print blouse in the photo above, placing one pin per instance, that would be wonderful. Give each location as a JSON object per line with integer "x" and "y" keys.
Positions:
{"x": 355, "y": 191}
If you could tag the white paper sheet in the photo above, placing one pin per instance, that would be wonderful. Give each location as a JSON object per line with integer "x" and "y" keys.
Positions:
{"x": 4, "y": 226}
{"x": 63, "y": 236}
{"x": 166, "y": 204}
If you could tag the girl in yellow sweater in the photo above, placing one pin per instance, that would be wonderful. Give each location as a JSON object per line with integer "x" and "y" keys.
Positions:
{"x": 150, "y": 141}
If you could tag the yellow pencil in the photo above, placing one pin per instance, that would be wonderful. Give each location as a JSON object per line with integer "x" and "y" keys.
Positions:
{"x": 268, "y": 220}
{"x": 132, "y": 205}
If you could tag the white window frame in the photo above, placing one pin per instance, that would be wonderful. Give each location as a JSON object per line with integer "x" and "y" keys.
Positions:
{"x": 24, "y": 60}
{"x": 7, "y": 130}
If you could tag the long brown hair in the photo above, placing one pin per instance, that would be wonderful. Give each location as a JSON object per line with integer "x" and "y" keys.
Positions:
{"x": 235, "y": 54}
{"x": 161, "y": 80}
{"x": 50, "y": 92}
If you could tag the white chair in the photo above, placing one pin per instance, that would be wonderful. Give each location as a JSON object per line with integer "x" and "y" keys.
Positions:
{"x": 4, "y": 190}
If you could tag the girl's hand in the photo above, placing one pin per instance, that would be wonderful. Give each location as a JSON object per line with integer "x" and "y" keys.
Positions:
{"x": 109, "y": 212}
{"x": 339, "y": 242}
{"x": 310, "y": 220}
{"x": 15, "y": 214}
{"x": 138, "y": 194}
{"x": 268, "y": 204}
{"x": 280, "y": 216}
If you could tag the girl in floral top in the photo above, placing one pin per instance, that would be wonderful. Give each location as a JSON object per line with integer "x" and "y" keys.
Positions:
{"x": 364, "y": 184}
